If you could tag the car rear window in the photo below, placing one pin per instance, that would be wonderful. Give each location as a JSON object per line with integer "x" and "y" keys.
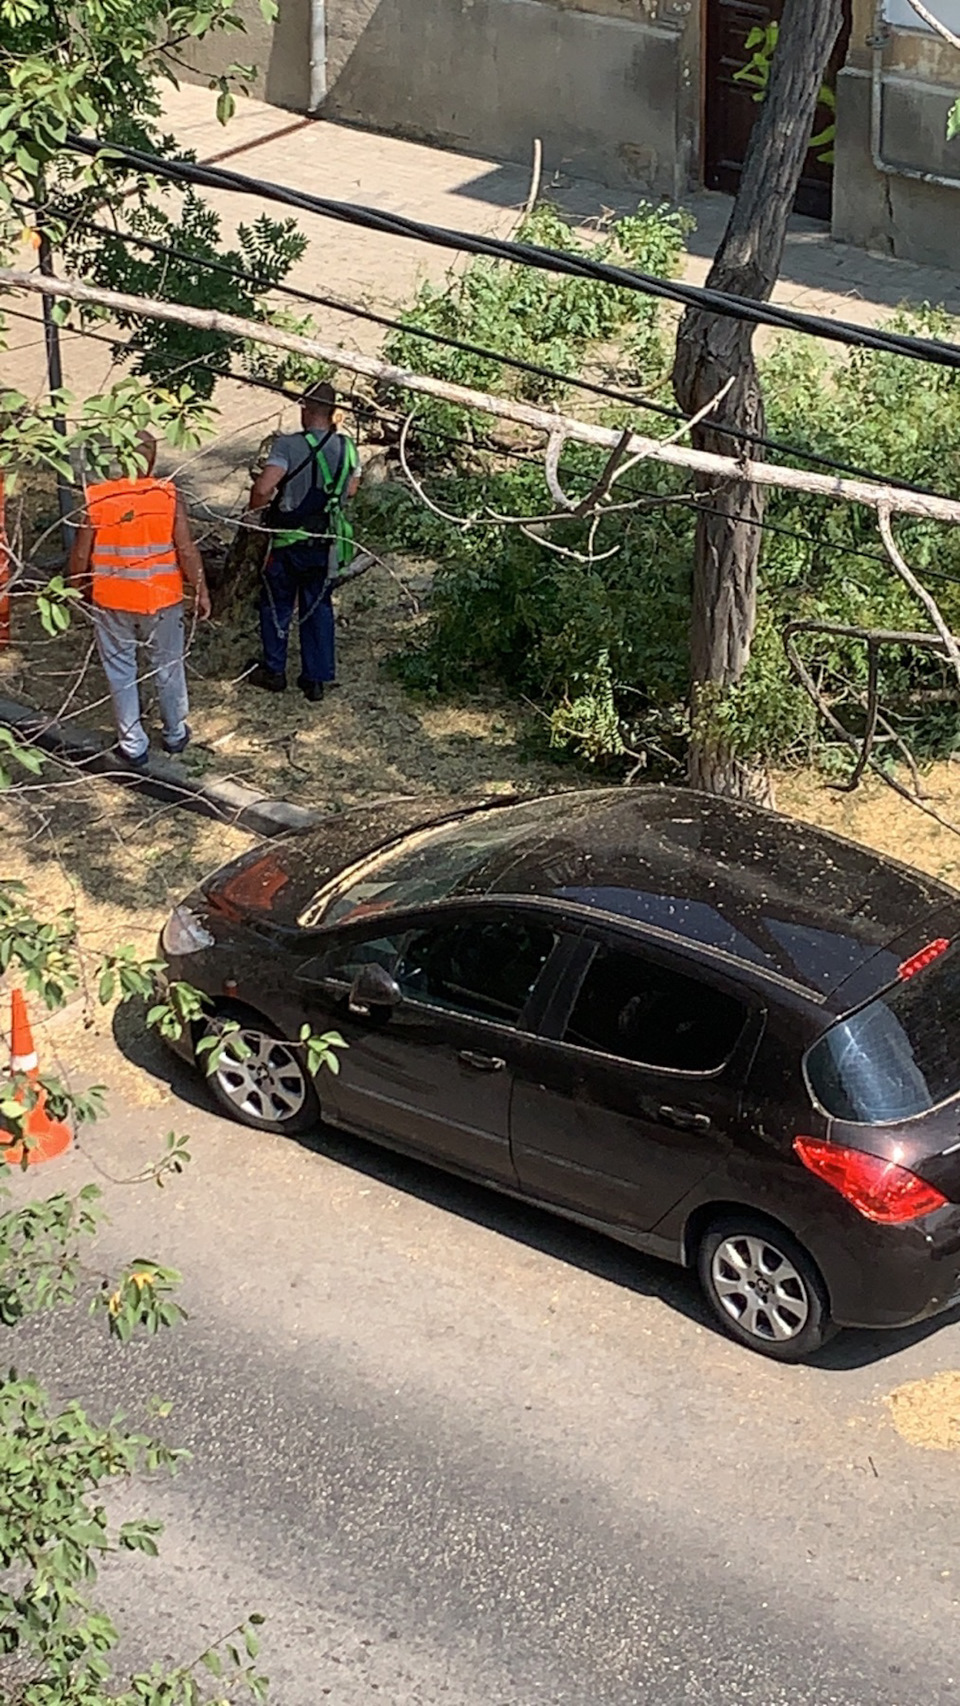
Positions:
{"x": 897, "y": 1057}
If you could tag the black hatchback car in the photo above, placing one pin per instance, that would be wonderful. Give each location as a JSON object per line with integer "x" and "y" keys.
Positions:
{"x": 716, "y": 1034}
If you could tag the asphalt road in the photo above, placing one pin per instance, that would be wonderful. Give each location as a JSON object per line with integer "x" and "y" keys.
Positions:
{"x": 461, "y": 1454}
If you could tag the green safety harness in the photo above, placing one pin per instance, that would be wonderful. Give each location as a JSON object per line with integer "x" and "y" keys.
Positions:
{"x": 323, "y": 503}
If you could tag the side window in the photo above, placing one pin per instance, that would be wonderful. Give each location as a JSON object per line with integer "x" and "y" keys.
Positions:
{"x": 345, "y": 960}
{"x": 630, "y": 1007}
{"x": 485, "y": 968}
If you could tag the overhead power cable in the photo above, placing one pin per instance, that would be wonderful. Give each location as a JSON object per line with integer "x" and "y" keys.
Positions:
{"x": 934, "y": 350}
{"x": 552, "y": 375}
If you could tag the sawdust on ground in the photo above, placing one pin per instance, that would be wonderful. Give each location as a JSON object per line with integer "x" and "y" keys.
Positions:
{"x": 119, "y": 863}
{"x": 367, "y": 738}
{"x": 927, "y": 1412}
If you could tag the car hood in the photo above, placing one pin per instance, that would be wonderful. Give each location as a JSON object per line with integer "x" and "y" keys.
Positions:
{"x": 275, "y": 882}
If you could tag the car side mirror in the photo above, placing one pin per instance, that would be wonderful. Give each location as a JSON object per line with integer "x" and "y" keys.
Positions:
{"x": 373, "y": 987}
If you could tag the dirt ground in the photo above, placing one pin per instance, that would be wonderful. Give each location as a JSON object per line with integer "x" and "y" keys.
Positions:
{"x": 367, "y": 738}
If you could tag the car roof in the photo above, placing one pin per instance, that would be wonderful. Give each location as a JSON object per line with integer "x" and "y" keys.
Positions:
{"x": 780, "y": 896}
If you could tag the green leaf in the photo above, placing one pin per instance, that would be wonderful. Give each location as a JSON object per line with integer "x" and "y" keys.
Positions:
{"x": 226, "y": 106}
{"x": 953, "y": 120}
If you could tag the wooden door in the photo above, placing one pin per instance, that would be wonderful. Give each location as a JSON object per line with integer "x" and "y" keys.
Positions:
{"x": 730, "y": 109}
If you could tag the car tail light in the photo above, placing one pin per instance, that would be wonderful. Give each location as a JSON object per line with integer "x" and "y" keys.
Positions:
{"x": 916, "y": 962}
{"x": 881, "y": 1190}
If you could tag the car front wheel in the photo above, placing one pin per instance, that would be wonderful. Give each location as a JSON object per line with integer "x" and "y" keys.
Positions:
{"x": 260, "y": 1079}
{"x": 763, "y": 1288}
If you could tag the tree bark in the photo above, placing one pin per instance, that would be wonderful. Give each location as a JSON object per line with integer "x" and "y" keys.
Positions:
{"x": 712, "y": 349}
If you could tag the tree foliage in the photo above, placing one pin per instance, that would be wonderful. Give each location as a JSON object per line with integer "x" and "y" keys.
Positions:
{"x": 103, "y": 68}
{"x": 57, "y": 1463}
{"x": 601, "y": 647}
{"x": 537, "y": 317}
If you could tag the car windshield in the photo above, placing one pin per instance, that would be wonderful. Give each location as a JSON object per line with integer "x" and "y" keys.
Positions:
{"x": 426, "y": 866}
{"x": 897, "y": 1057}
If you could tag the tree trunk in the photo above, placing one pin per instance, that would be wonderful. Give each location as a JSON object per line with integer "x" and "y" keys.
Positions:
{"x": 712, "y": 349}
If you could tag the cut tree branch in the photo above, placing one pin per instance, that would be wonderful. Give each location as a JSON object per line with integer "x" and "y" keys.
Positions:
{"x": 919, "y": 591}
{"x": 927, "y": 505}
{"x": 862, "y": 747}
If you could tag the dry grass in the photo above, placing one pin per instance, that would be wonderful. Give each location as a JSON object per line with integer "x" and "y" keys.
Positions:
{"x": 366, "y": 738}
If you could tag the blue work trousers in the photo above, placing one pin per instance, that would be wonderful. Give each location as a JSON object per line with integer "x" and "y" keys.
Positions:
{"x": 295, "y": 579}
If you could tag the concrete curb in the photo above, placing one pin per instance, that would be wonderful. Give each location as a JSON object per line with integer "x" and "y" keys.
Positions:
{"x": 214, "y": 796}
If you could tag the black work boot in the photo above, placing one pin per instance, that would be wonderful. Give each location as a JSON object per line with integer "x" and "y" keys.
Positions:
{"x": 261, "y": 676}
{"x": 312, "y": 690}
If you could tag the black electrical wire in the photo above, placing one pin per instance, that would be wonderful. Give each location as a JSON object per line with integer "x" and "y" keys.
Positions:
{"x": 796, "y": 453}
{"x": 933, "y": 350}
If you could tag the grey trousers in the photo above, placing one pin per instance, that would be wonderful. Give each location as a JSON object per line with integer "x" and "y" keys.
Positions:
{"x": 118, "y": 633}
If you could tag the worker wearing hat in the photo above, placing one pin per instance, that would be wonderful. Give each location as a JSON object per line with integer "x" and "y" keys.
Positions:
{"x": 299, "y": 497}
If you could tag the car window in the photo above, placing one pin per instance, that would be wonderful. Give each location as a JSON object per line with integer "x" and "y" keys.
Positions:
{"x": 346, "y": 959}
{"x": 897, "y": 1057}
{"x": 631, "y": 1007}
{"x": 486, "y": 968}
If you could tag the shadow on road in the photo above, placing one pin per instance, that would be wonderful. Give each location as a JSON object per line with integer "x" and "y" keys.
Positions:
{"x": 539, "y": 1229}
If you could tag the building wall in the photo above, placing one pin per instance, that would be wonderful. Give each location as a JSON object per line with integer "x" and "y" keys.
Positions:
{"x": 601, "y": 83}
{"x": 909, "y": 80}
{"x": 612, "y": 88}
{"x": 280, "y": 51}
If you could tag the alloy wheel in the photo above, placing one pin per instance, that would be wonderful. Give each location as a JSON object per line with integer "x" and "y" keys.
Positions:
{"x": 759, "y": 1288}
{"x": 261, "y": 1076}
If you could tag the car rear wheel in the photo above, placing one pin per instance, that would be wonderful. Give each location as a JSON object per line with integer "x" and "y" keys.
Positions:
{"x": 763, "y": 1287}
{"x": 261, "y": 1080}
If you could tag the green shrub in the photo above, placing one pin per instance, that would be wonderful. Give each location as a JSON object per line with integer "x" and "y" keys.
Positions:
{"x": 535, "y": 316}
{"x": 601, "y": 646}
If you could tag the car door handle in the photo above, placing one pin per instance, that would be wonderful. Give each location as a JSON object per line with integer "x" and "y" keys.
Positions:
{"x": 684, "y": 1119}
{"x": 481, "y": 1062}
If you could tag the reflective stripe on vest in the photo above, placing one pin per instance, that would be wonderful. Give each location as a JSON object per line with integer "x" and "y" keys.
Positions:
{"x": 134, "y": 559}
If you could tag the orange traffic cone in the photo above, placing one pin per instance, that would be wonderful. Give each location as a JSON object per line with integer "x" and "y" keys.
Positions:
{"x": 48, "y": 1137}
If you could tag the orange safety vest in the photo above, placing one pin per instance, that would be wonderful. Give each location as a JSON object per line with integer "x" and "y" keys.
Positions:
{"x": 134, "y": 561}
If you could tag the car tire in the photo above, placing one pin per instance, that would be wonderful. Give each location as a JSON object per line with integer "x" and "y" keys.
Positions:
{"x": 763, "y": 1288}
{"x": 264, "y": 1082}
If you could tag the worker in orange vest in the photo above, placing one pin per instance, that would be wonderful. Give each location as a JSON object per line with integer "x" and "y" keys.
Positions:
{"x": 132, "y": 553}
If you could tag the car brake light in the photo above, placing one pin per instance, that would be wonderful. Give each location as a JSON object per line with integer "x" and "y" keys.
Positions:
{"x": 916, "y": 962}
{"x": 881, "y": 1190}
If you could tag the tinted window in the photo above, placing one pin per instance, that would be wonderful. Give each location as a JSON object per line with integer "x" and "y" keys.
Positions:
{"x": 487, "y": 968}
{"x": 629, "y": 1007}
{"x": 897, "y": 1057}
{"x": 345, "y": 960}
